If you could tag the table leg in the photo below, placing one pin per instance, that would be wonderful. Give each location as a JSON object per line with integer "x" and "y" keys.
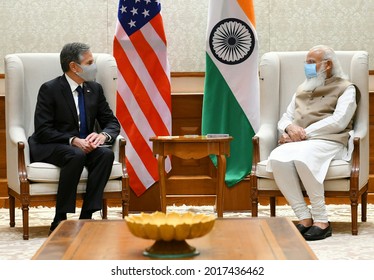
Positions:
{"x": 162, "y": 182}
{"x": 221, "y": 166}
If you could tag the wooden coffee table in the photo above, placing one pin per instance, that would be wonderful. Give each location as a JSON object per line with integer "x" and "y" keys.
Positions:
{"x": 273, "y": 238}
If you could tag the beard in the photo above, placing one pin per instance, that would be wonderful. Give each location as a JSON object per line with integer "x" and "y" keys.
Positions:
{"x": 312, "y": 83}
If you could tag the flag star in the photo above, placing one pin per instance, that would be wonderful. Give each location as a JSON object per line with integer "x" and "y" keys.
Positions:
{"x": 145, "y": 13}
{"x": 158, "y": 2}
{"x": 132, "y": 23}
{"x": 123, "y": 9}
{"x": 147, "y": 1}
{"x": 134, "y": 11}
{"x": 137, "y": 1}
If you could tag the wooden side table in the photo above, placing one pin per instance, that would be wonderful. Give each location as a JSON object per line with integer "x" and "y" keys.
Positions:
{"x": 192, "y": 147}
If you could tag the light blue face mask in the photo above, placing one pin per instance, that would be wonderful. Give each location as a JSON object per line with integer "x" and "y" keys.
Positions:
{"x": 310, "y": 70}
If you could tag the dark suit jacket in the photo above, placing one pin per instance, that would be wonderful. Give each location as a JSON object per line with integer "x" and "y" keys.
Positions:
{"x": 56, "y": 118}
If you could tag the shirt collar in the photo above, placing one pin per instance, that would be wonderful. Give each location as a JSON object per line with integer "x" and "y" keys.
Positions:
{"x": 73, "y": 85}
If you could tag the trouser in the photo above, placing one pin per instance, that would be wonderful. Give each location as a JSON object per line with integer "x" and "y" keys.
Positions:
{"x": 71, "y": 161}
{"x": 288, "y": 175}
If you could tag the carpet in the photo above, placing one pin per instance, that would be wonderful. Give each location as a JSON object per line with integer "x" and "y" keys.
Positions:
{"x": 341, "y": 246}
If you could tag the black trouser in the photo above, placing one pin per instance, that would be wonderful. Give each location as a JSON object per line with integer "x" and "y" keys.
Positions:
{"x": 72, "y": 160}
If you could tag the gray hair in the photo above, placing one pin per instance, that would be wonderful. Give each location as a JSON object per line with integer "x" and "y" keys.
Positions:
{"x": 329, "y": 54}
{"x": 72, "y": 52}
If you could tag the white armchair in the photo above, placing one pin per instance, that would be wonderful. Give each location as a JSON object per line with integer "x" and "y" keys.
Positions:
{"x": 29, "y": 182}
{"x": 280, "y": 74}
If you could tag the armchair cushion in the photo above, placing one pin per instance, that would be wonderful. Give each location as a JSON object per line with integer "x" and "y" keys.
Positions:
{"x": 46, "y": 172}
{"x": 338, "y": 169}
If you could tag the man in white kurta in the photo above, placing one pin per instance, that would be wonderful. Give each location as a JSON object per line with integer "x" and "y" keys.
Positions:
{"x": 315, "y": 129}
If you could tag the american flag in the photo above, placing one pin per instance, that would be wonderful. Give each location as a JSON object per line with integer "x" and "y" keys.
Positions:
{"x": 143, "y": 92}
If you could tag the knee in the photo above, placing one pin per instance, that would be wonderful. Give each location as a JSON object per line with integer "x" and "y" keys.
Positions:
{"x": 107, "y": 155}
{"x": 78, "y": 157}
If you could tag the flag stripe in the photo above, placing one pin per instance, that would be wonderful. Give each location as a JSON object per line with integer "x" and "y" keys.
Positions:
{"x": 157, "y": 25}
{"x": 247, "y": 7}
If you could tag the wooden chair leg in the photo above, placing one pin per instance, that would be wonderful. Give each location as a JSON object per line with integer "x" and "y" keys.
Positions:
{"x": 273, "y": 203}
{"x": 364, "y": 202}
{"x": 25, "y": 218}
{"x": 354, "y": 217}
{"x": 105, "y": 209}
{"x": 12, "y": 213}
{"x": 126, "y": 198}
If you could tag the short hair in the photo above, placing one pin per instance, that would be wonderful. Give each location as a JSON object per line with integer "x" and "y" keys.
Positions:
{"x": 329, "y": 54}
{"x": 72, "y": 52}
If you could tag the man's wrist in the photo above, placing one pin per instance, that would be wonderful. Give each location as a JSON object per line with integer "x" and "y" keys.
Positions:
{"x": 107, "y": 136}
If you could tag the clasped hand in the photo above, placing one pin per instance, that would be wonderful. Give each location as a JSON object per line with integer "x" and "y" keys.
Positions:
{"x": 90, "y": 143}
{"x": 293, "y": 133}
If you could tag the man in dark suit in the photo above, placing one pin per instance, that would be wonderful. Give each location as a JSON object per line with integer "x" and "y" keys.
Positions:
{"x": 64, "y": 131}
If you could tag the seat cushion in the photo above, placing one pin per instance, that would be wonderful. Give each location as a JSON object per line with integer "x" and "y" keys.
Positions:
{"x": 337, "y": 177}
{"x": 49, "y": 173}
{"x": 338, "y": 169}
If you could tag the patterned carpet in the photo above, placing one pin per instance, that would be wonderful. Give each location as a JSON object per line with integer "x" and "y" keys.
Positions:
{"x": 341, "y": 246}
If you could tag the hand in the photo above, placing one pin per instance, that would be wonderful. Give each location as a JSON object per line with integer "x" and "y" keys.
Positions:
{"x": 285, "y": 138}
{"x": 96, "y": 139}
{"x": 296, "y": 133}
{"x": 83, "y": 144}
{"x": 91, "y": 142}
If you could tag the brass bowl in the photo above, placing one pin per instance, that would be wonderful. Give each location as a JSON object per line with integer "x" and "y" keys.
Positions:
{"x": 170, "y": 231}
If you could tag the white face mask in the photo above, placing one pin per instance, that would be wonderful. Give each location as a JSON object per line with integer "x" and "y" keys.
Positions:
{"x": 88, "y": 73}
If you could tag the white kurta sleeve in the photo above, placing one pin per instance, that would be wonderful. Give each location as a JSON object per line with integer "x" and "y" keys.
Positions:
{"x": 339, "y": 120}
{"x": 288, "y": 117}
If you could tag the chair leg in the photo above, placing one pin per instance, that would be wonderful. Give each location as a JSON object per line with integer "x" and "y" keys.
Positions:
{"x": 364, "y": 201}
{"x": 273, "y": 203}
{"x": 25, "y": 218}
{"x": 254, "y": 209}
{"x": 126, "y": 198}
{"x": 105, "y": 209}
{"x": 354, "y": 218}
{"x": 12, "y": 214}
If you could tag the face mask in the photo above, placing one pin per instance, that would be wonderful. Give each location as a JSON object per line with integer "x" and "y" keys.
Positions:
{"x": 88, "y": 73}
{"x": 310, "y": 70}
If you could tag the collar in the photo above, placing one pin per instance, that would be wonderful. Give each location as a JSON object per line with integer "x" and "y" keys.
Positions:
{"x": 73, "y": 85}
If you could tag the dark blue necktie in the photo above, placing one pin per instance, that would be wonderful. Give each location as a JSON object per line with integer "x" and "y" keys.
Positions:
{"x": 83, "y": 131}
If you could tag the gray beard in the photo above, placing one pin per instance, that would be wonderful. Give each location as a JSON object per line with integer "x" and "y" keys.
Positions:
{"x": 312, "y": 83}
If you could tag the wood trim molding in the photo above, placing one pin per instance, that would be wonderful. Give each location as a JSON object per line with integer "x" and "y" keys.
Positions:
{"x": 187, "y": 74}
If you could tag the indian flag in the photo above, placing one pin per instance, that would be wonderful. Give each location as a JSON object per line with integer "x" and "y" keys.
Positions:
{"x": 231, "y": 90}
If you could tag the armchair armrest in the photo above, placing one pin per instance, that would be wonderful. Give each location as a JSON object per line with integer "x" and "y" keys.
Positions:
{"x": 120, "y": 153}
{"x": 267, "y": 137}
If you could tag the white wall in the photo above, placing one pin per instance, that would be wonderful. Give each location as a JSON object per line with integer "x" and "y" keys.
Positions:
{"x": 44, "y": 26}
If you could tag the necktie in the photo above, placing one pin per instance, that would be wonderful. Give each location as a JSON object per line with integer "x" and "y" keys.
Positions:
{"x": 83, "y": 131}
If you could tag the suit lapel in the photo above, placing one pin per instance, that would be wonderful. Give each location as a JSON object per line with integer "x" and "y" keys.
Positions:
{"x": 68, "y": 96}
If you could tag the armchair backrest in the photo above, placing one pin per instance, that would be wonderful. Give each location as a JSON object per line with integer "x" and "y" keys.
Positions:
{"x": 24, "y": 74}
